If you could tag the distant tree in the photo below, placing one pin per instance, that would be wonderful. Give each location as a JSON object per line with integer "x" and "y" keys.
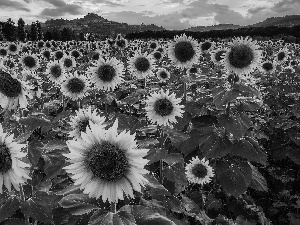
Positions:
{"x": 39, "y": 30}
{"x": 21, "y": 30}
{"x": 48, "y": 35}
{"x": 33, "y": 32}
{"x": 9, "y": 30}
{"x": 66, "y": 34}
{"x": 56, "y": 34}
{"x": 81, "y": 36}
{"x": 1, "y": 34}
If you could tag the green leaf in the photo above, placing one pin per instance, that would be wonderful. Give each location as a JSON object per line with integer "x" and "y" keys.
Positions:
{"x": 56, "y": 144}
{"x": 212, "y": 202}
{"x": 174, "y": 158}
{"x": 33, "y": 122}
{"x": 8, "y": 206}
{"x": 102, "y": 217}
{"x": 78, "y": 204}
{"x": 155, "y": 187}
{"x": 38, "y": 210}
{"x": 23, "y": 137}
{"x": 214, "y": 146}
{"x": 294, "y": 136}
{"x": 34, "y": 151}
{"x": 176, "y": 137}
{"x": 54, "y": 162}
{"x": 146, "y": 216}
{"x": 249, "y": 149}
{"x": 236, "y": 125}
{"x": 189, "y": 205}
{"x": 176, "y": 173}
{"x": 189, "y": 145}
{"x": 246, "y": 89}
{"x": 14, "y": 221}
{"x": 146, "y": 142}
{"x": 234, "y": 176}
{"x": 62, "y": 115}
{"x": 223, "y": 97}
{"x": 258, "y": 181}
{"x": 156, "y": 154}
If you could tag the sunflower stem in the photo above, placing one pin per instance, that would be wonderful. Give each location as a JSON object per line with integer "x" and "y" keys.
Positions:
{"x": 161, "y": 164}
{"x": 22, "y": 195}
{"x": 21, "y": 115}
{"x": 145, "y": 82}
{"x": 113, "y": 207}
{"x": 228, "y": 109}
{"x": 184, "y": 91}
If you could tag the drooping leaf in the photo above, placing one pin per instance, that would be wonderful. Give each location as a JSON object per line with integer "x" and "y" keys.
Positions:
{"x": 258, "y": 181}
{"x": 187, "y": 146}
{"x": 176, "y": 173}
{"x": 156, "y": 154}
{"x": 54, "y": 162}
{"x": 34, "y": 151}
{"x": 33, "y": 122}
{"x": 249, "y": 149}
{"x": 234, "y": 176}
{"x": 102, "y": 217}
{"x": 155, "y": 187}
{"x": 223, "y": 97}
{"x": 8, "y": 206}
{"x": 78, "y": 204}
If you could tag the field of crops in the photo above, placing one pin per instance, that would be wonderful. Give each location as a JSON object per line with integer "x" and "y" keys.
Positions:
{"x": 146, "y": 132}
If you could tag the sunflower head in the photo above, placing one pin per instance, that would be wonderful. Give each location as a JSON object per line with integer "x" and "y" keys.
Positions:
{"x": 3, "y": 52}
{"x": 58, "y": 54}
{"x": 75, "y": 85}
{"x": 40, "y": 44}
{"x": 163, "y": 107}
{"x": 9, "y": 86}
{"x": 205, "y": 46}
{"x": 153, "y": 45}
{"x": 46, "y": 54}
{"x": 75, "y": 54}
{"x": 106, "y": 73}
{"x": 12, "y": 48}
{"x": 157, "y": 55}
{"x": 30, "y": 62}
{"x": 198, "y": 171}
{"x": 56, "y": 70}
{"x": 142, "y": 64}
{"x": 267, "y": 66}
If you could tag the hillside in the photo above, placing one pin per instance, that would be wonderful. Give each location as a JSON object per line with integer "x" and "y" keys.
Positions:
{"x": 214, "y": 27}
{"x": 93, "y": 23}
{"x": 286, "y": 21}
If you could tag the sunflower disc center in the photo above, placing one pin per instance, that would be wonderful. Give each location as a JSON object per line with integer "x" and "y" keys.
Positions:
{"x": 5, "y": 159}
{"x": 205, "y": 46}
{"x": 68, "y": 63}
{"x": 281, "y": 56}
{"x": 75, "y": 54}
{"x": 184, "y": 51}
{"x": 13, "y": 48}
{"x": 163, "y": 74}
{"x": 108, "y": 162}
{"x": 163, "y": 107}
{"x": 59, "y": 54}
{"x": 142, "y": 64}
{"x": 157, "y": 55}
{"x": 3, "y": 52}
{"x": 106, "y": 73}
{"x": 241, "y": 56}
{"x": 9, "y": 86}
{"x": 268, "y": 66}
{"x": 199, "y": 171}
{"x": 75, "y": 85}
{"x": 29, "y": 61}
{"x": 55, "y": 71}
{"x": 219, "y": 54}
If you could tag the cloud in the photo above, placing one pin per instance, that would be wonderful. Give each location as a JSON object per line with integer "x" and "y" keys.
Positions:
{"x": 13, "y": 5}
{"x": 106, "y": 2}
{"x": 62, "y": 11}
{"x": 168, "y": 21}
{"x": 56, "y": 3}
{"x": 256, "y": 10}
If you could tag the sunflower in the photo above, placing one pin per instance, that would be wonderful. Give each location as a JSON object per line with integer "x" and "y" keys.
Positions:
{"x": 75, "y": 53}
{"x": 216, "y": 55}
{"x": 68, "y": 63}
{"x": 46, "y": 54}
{"x": 282, "y": 55}
{"x": 55, "y": 71}
{"x": 105, "y": 163}
{"x": 198, "y": 171}
{"x": 121, "y": 43}
{"x": 183, "y": 51}
{"x": 30, "y": 61}
{"x": 267, "y": 67}
{"x": 58, "y": 54}
{"x": 157, "y": 55}
{"x": 13, "y": 91}
{"x": 80, "y": 122}
{"x": 13, "y": 48}
{"x": 107, "y": 74}
{"x": 75, "y": 86}
{"x": 40, "y": 44}
{"x": 9, "y": 63}
{"x": 3, "y": 52}
{"x": 206, "y": 46}
{"x": 48, "y": 44}
{"x": 162, "y": 108}
{"x": 163, "y": 75}
{"x": 12, "y": 170}
{"x": 153, "y": 45}
{"x": 242, "y": 57}
{"x": 141, "y": 65}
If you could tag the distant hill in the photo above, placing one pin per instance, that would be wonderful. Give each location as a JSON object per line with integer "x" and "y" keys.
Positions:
{"x": 286, "y": 21}
{"x": 214, "y": 27}
{"x": 93, "y": 23}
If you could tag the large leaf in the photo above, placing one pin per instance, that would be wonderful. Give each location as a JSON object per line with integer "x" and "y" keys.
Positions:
{"x": 258, "y": 181}
{"x": 146, "y": 216}
{"x": 249, "y": 149}
{"x": 223, "y": 97}
{"x": 246, "y": 89}
{"x": 102, "y": 217}
{"x": 33, "y": 122}
{"x": 236, "y": 125}
{"x": 189, "y": 145}
{"x": 155, "y": 187}
{"x": 55, "y": 161}
{"x": 176, "y": 137}
{"x": 176, "y": 173}
{"x": 8, "y": 206}
{"x": 78, "y": 204}
{"x": 214, "y": 146}
{"x": 234, "y": 176}
{"x": 34, "y": 151}
{"x": 156, "y": 154}
{"x": 38, "y": 210}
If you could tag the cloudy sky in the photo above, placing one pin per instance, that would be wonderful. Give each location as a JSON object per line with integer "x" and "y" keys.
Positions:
{"x": 171, "y": 14}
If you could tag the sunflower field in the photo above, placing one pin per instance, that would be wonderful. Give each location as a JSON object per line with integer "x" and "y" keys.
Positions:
{"x": 142, "y": 132}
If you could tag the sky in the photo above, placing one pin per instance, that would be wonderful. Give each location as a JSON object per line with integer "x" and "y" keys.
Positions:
{"x": 171, "y": 14}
